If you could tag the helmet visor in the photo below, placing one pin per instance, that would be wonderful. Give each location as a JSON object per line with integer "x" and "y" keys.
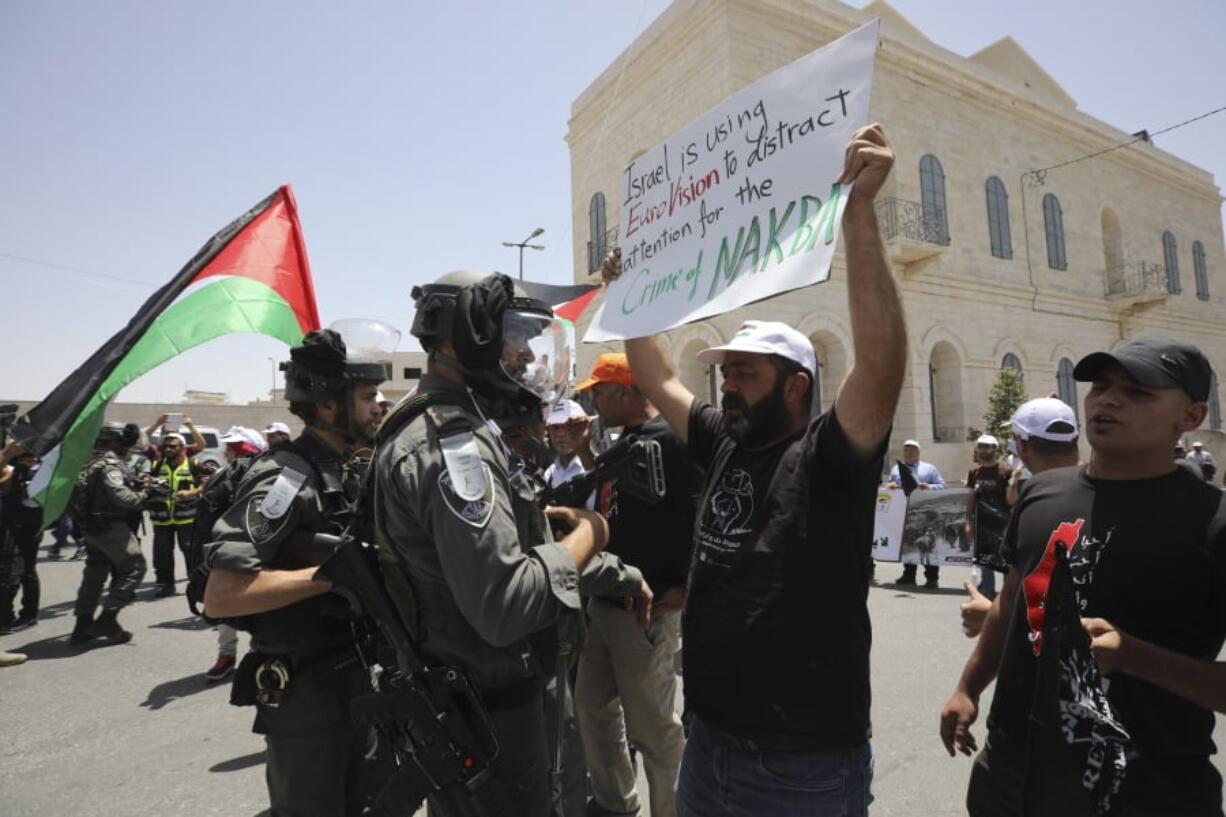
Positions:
{"x": 534, "y": 352}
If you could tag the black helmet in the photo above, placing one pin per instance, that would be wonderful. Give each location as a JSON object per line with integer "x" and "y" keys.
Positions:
{"x": 125, "y": 434}
{"x": 321, "y": 369}
{"x": 507, "y": 344}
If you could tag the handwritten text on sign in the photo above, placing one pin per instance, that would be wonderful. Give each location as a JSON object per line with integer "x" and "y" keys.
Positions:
{"x": 743, "y": 202}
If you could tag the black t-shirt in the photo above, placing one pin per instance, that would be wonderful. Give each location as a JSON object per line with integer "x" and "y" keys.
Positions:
{"x": 776, "y": 624}
{"x": 657, "y": 539}
{"x": 1151, "y": 559}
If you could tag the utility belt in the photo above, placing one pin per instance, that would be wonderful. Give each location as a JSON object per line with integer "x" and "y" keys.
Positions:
{"x": 98, "y": 522}
{"x": 268, "y": 680}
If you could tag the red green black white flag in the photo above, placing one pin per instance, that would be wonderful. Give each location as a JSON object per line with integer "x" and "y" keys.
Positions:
{"x": 262, "y": 284}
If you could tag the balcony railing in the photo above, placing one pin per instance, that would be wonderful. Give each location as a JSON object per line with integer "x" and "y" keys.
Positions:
{"x": 596, "y": 252}
{"x": 906, "y": 219}
{"x": 1135, "y": 278}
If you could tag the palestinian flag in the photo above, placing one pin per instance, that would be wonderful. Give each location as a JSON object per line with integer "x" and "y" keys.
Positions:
{"x": 252, "y": 276}
{"x": 568, "y": 302}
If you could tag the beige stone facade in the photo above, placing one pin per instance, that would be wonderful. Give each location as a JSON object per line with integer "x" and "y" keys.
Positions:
{"x": 993, "y": 114}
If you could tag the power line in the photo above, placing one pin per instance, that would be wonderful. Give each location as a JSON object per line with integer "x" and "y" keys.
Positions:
{"x": 1132, "y": 141}
{"x": 78, "y": 270}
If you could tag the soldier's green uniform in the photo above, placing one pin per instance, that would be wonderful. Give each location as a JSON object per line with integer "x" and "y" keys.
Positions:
{"x": 316, "y": 757}
{"x": 467, "y": 556}
{"x": 111, "y": 547}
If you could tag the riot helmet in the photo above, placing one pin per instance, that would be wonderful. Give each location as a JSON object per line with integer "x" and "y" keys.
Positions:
{"x": 121, "y": 435}
{"x": 330, "y": 363}
{"x": 508, "y": 345}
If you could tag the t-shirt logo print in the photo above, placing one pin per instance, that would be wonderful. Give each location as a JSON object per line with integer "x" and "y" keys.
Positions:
{"x": 731, "y": 505}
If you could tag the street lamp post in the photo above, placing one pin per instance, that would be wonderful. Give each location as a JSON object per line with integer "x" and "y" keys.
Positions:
{"x": 524, "y": 243}
{"x": 272, "y": 395}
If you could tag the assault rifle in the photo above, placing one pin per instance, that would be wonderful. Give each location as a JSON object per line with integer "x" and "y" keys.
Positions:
{"x": 432, "y": 716}
{"x": 637, "y": 464}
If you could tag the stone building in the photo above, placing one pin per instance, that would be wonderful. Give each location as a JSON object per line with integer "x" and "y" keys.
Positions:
{"x": 998, "y": 265}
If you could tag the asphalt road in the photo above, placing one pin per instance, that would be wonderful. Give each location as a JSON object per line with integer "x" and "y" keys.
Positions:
{"x": 135, "y": 730}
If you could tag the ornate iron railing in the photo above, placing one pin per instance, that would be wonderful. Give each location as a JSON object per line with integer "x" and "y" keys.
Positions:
{"x": 906, "y": 219}
{"x": 596, "y": 252}
{"x": 1135, "y": 278}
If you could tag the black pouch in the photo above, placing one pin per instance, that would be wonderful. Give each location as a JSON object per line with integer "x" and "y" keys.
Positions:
{"x": 243, "y": 690}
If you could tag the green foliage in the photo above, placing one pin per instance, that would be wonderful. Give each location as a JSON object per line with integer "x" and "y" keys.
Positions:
{"x": 1008, "y": 392}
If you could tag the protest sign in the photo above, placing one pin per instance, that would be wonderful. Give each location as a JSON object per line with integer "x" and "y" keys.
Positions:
{"x": 928, "y": 528}
{"x": 744, "y": 202}
{"x": 888, "y": 524}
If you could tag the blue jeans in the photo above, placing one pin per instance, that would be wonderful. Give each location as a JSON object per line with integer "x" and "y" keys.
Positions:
{"x": 987, "y": 583}
{"x": 723, "y": 777}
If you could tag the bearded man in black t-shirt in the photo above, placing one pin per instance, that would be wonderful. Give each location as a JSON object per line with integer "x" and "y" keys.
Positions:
{"x": 1138, "y": 547}
{"x": 776, "y": 629}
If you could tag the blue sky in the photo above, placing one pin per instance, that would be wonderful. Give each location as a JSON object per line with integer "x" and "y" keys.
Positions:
{"x": 417, "y": 136}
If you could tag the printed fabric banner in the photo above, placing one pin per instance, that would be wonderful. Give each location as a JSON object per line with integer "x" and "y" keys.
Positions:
{"x": 927, "y": 528}
{"x": 744, "y": 202}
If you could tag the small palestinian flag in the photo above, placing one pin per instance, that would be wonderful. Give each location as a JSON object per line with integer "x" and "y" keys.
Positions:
{"x": 252, "y": 276}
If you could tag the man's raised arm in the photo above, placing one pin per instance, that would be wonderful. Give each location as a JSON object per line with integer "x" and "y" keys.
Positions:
{"x": 866, "y": 402}
{"x": 655, "y": 375}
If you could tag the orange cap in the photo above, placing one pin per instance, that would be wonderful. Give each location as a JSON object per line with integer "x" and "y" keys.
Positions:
{"x": 611, "y": 367}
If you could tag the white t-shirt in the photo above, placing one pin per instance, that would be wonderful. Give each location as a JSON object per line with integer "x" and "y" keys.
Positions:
{"x": 558, "y": 473}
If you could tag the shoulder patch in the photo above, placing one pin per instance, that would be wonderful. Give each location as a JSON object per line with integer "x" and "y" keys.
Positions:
{"x": 260, "y": 528}
{"x": 464, "y": 466}
{"x": 475, "y": 512}
{"x": 281, "y": 495}
{"x": 114, "y": 476}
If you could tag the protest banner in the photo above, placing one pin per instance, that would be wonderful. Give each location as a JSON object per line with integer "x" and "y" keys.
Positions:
{"x": 888, "y": 524}
{"x": 744, "y": 202}
{"x": 928, "y": 528}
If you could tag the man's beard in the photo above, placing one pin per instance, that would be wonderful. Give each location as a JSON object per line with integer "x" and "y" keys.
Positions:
{"x": 755, "y": 425}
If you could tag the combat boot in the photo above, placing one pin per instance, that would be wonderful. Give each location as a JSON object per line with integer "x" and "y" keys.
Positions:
{"x": 80, "y": 633}
{"x": 107, "y": 626}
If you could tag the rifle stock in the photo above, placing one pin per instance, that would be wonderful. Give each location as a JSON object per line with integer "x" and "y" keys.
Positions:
{"x": 632, "y": 456}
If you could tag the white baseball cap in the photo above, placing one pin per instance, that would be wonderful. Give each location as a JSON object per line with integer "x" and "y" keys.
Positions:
{"x": 987, "y": 439}
{"x": 1198, "y": 444}
{"x": 277, "y": 428}
{"x": 766, "y": 338}
{"x": 913, "y": 443}
{"x": 175, "y": 436}
{"x": 242, "y": 434}
{"x": 1046, "y": 418}
{"x": 563, "y": 411}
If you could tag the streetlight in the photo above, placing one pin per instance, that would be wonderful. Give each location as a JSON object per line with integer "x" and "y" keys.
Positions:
{"x": 524, "y": 243}
{"x": 272, "y": 395}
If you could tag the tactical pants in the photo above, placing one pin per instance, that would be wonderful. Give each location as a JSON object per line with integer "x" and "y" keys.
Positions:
{"x": 319, "y": 764}
{"x": 627, "y": 686}
{"x": 573, "y": 797}
{"x": 112, "y": 549}
{"x": 164, "y": 550}
{"x": 25, "y": 540}
{"x": 519, "y": 779}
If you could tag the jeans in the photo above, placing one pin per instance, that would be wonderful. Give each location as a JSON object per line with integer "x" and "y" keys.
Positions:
{"x": 722, "y": 776}
{"x": 987, "y": 584}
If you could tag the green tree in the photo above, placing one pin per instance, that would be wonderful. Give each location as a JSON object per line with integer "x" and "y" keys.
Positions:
{"x": 1008, "y": 392}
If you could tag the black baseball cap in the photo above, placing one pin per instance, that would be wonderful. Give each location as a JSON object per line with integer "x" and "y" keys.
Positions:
{"x": 1157, "y": 362}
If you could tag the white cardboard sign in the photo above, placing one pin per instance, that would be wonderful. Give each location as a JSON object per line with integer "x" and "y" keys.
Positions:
{"x": 743, "y": 203}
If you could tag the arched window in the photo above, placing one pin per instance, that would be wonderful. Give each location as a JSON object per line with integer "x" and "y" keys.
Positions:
{"x": 945, "y": 394}
{"x": 1170, "y": 259}
{"x": 596, "y": 248}
{"x": 1200, "y": 270}
{"x": 932, "y": 196}
{"x": 1215, "y": 404}
{"x": 1011, "y": 361}
{"x": 1053, "y": 223}
{"x": 1066, "y": 386}
{"x": 998, "y": 218}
